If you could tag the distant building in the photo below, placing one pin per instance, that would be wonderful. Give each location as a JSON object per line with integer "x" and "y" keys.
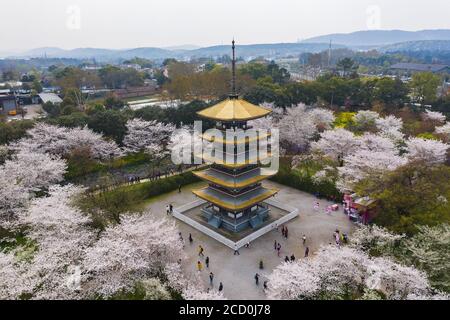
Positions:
{"x": 421, "y": 67}
{"x": 8, "y": 103}
{"x": 136, "y": 91}
{"x": 50, "y": 97}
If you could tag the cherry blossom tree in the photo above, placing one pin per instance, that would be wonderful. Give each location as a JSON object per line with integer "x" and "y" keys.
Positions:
{"x": 62, "y": 234}
{"x": 21, "y": 177}
{"x": 35, "y": 171}
{"x": 44, "y": 138}
{"x": 366, "y": 120}
{"x": 331, "y": 273}
{"x": 266, "y": 123}
{"x": 372, "y": 238}
{"x": 429, "y": 151}
{"x": 396, "y": 136}
{"x": 14, "y": 197}
{"x": 297, "y": 127}
{"x": 146, "y": 135}
{"x": 395, "y": 281}
{"x": 444, "y": 130}
{"x": 336, "y": 143}
{"x": 13, "y": 275}
{"x": 434, "y": 116}
{"x": 343, "y": 273}
{"x": 322, "y": 118}
{"x": 365, "y": 164}
{"x": 57, "y": 235}
{"x": 137, "y": 248}
{"x": 376, "y": 143}
{"x": 389, "y": 123}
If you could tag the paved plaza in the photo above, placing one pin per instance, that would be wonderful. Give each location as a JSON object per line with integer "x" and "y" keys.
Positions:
{"x": 236, "y": 272}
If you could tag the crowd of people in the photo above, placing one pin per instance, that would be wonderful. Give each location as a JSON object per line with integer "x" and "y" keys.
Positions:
{"x": 204, "y": 261}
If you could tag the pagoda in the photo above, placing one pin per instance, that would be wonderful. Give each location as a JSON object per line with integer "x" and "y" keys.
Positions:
{"x": 235, "y": 194}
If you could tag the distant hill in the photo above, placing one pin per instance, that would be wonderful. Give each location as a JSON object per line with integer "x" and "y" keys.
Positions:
{"x": 244, "y": 51}
{"x": 385, "y": 41}
{"x": 428, "y": 45}
{"x": 255, "y": 50}
{"x": 41, "y": 52}
{"x": 183, "y": 47}
{"x": 380, "y": 37}
{"x": 105, "y": 55}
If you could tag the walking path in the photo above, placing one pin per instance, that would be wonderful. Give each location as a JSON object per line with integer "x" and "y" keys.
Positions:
{"x": 162, "y": 176}
{"x": 237, "y": 272}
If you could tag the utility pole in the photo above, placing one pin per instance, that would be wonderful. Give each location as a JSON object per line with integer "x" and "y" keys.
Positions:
{"x": 329, "y": 55}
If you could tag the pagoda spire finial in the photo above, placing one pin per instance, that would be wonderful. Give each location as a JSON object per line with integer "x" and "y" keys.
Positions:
{"x": 233, "y": 70}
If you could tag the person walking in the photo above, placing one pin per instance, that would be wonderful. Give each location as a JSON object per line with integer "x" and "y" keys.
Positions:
{"x": 286, "y": 231}
{"x": 220, "y": 287}
{"x": 207, "y": 262}
{"x": 190, "y": 238}
{"x": 167, "y": 210}
{"x": 292, "y": 258}
{"x": 265, "y": 285}
{"x": 199, "y": 266}
{"x": 236, "y": 251}
{"x": 200, "y": 251}
{"x": 286, "y": 259}
{"x": 275, "y": 245}
{"x": 211, "y": 278}
{"x": 257, "y": 279}
{"x": 278, "y": 249}
{"x": 304, "y": 239}
{"x": 282, "y": 231}
{"x": 179, "y": 188}
{"x": 306, "y": 252}
{"x": 171, "y": 208}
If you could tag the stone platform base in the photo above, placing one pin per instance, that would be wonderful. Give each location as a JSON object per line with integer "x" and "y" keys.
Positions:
{"x": 191, "y": 214}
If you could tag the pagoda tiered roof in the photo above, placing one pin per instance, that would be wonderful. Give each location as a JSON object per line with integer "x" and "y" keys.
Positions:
{"x": 235, "y": 181}
{"x": 235, "y": 203}
{"x": 237, "y": 162}
{"x": 234, "y": 109}
{"x": 235, "y": 138}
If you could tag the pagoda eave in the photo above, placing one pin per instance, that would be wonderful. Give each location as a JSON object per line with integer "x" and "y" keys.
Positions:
{"x": 205, "y": 175}
{"x": 233, "y": 205}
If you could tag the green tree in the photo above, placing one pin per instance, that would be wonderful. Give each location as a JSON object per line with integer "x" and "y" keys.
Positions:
{"x": 424, "y": 87}
{"x": 347, "y": 65}
{"x": 114, "y": 102}
{"x": 14, "y": 130}
{"x": 37, "y": 86}
{"x": 392, "y": 92}
{"x": 111, "y": 123}
{"x": 53, "y": 110}
{"x": 415, "y": 194}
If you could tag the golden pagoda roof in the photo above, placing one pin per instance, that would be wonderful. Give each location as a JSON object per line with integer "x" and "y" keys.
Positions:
{"x": 234, "y": 204}
{"x": 233, "y": 109}
{"x": 239, "y": 181}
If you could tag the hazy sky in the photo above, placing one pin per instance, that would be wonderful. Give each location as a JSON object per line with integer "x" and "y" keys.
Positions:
{"x": 28, "y": 24}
